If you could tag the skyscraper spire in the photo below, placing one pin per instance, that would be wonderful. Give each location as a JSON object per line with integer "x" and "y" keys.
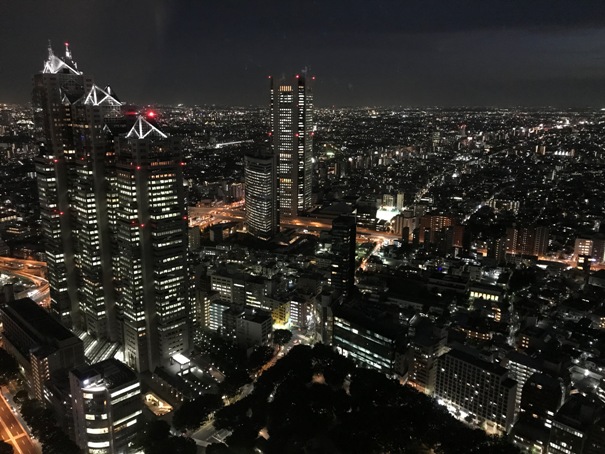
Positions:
{"x": 54, "y": 64}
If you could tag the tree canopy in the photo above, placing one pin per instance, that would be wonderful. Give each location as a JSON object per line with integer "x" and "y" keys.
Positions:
{"x": 43, "y": 425}
{"x": 282, "y": 336}
{"x": 155, "y": 438}
{"x": 314, "y": 400}
{"x": 9, "y": 369}
{"x": 193, "y": 413}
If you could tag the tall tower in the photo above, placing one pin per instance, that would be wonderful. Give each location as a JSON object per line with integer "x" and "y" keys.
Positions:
{"x": 152, "y": 245}
{"x": 292, "y": 132}
{"x": 262, "y": 217}
{"x": 72, "y": 170}
{"x": 56, "y": 89}
{"x": 113, "y": 215}
{"x": 344, "y": 234}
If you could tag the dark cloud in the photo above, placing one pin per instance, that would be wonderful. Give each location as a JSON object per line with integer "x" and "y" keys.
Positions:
{"x": 364, "y": 52}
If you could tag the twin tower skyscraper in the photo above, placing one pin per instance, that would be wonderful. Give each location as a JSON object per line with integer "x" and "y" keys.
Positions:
{"x": 279, "y": 182}
{"x": 113, "y": 210}
{"x": 114, "y": 217}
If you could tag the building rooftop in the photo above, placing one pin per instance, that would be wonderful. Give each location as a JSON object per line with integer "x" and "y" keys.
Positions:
{"x": 491, "y": 368}
{"x": 111, "y": 372}
{"x": 374, "y": 318}
{"x": 39, "y": 323}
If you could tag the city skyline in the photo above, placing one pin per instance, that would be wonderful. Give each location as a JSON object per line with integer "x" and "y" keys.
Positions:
{"x": 283, "y": 276}
{"x": 114, "y": 216}
{"x": 420, "y": 53}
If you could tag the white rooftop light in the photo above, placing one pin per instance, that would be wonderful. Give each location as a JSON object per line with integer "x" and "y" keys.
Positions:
{"x": 181, "y": 359}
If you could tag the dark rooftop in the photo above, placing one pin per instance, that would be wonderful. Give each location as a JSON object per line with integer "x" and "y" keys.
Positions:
{"x": 113, "y": 372}
{"x": 478, "y": 362}
{"x": 39, "y": 323}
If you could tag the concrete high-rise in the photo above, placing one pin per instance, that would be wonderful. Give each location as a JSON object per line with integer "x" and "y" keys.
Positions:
{"x": 152, "y": 246}
{"x": 114, "y": 217}
{"x": 262, "y": 217}
{"x": 72, "y": 170}
{"x": 292, "y": 132}
{"x": 344, "y": 234}
{"x": 531, "y": 240}
{"x": 55, "y": 90}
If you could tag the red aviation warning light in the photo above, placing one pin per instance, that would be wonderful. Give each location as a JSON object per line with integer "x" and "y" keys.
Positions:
{"x": 151, "y": 114}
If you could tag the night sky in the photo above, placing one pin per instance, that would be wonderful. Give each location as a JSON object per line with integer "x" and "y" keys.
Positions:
{"x": 370, "y": 52}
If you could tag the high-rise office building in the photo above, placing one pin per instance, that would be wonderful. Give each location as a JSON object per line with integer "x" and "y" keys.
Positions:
{"x": 72, "y": 170}
{"x": 55, "y": 90}
{"x": 344, "y": 234}
{"x": 152, "y": 246}
{"x": 292, "y": 132}
{"x": 113, "y": 215}
{"x": 91, "y": 211}
{"x": 262, "y": 217}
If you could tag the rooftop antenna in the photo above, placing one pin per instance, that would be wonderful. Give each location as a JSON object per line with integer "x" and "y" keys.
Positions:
{"x": 50, "y": 49}
{"x": 67, "y": 51}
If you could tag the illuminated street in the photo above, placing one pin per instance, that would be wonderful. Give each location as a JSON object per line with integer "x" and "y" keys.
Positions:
{"x": 12, "y": 432}
{"x": 30, "y": 270}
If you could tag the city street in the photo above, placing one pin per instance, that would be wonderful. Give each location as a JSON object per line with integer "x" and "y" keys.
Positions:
{"x": 12, "y": 432}
{"x": 201, "y": 217}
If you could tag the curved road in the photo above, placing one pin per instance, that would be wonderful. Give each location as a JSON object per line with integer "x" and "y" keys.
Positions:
{"x": 32, "y": 271}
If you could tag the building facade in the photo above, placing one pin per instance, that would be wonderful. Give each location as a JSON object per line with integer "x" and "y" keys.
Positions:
{"x": 55, "y": 90}
{"x": 262, "y": 216}
{"x": 292, "y": 133}
{"x": 114, "y": 217}
{"x": 477, "y": 388}
{"x": 152, "y": 246}
{"x": 44, "y": 348}
{"x": 107, "y": 407}
{"x": 344, "y": 233}
{"x": 531, "y": 240}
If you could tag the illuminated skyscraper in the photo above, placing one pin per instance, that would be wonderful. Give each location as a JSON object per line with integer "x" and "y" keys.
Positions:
{"x": 152, "y": 246}
{"x": 56, "y": 88}
{"x": 262, "y": 217}
{"x": 72, "y": 168}
{"x": 113, "y": 216}
{"x": 292, "y": 131}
